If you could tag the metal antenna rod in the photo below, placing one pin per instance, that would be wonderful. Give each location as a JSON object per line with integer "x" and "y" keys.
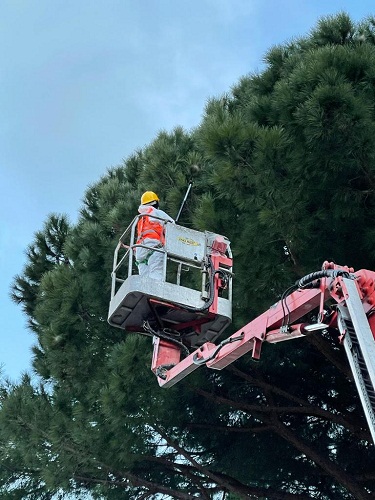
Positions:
{"x": 184, "y": 200}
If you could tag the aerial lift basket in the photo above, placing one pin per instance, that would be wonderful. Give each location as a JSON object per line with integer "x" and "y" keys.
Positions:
{"x": 193, "y": 301}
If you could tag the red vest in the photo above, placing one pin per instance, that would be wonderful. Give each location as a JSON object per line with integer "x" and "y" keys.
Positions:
{"x": 147, "y": 228}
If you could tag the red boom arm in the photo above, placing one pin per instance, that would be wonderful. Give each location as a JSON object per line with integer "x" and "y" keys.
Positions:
{"x": 277, "y": 324}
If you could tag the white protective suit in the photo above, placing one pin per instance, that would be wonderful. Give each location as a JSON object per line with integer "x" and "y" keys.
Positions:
{"x": 150, "y": 262}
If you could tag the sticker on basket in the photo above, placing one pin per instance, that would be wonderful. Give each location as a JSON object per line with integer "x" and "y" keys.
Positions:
{"x": 188, "y": 241}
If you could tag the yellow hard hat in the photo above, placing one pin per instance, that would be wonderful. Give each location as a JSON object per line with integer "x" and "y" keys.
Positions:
{"x": 148, "y": 197}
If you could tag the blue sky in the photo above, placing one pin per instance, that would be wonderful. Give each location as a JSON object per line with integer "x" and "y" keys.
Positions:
{"x": 85, "y": 83}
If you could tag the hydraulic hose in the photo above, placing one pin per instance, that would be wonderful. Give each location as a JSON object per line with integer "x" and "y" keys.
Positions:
{"x": 166, "y": 335}
{"x": 308, "y": 280}
{"x": 203, "y": 361}
{"x": 210, "y": 300}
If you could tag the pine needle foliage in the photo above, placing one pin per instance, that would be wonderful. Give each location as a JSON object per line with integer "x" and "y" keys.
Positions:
{"x": 284, "y": 166}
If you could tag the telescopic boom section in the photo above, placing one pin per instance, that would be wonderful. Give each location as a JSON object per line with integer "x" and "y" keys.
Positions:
{"x": 271, "y": 327}
{"x": 336, "y": 298}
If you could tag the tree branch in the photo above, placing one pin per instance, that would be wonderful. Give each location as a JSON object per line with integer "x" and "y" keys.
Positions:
{"x": 268, "y": 414}
{"x": 333, "y": 356}
{"x": 340, "y": 475}
{"x": 304, "y": 406}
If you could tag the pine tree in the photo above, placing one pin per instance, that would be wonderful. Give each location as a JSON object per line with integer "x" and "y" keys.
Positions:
{"x": 283, "y": 165}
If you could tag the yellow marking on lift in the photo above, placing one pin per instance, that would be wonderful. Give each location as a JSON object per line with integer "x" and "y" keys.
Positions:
{"x": 188, "y": 241}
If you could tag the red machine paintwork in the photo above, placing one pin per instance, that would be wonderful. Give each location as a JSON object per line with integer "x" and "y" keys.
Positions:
{"x": 277, "y": 324}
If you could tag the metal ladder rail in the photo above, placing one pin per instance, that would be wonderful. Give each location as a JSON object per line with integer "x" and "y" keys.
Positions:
{"x": 361, "y": 363}
{"x": 359, "y": 346}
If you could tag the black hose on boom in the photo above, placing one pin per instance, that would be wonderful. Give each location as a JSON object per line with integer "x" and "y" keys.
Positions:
{"x": 165, "y": 334}
{"x": 308, "y": 280}
{"x": 203, "y": 361}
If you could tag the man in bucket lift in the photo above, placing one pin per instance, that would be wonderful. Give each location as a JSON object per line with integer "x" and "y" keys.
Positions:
{"x": 150, "y": 231}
